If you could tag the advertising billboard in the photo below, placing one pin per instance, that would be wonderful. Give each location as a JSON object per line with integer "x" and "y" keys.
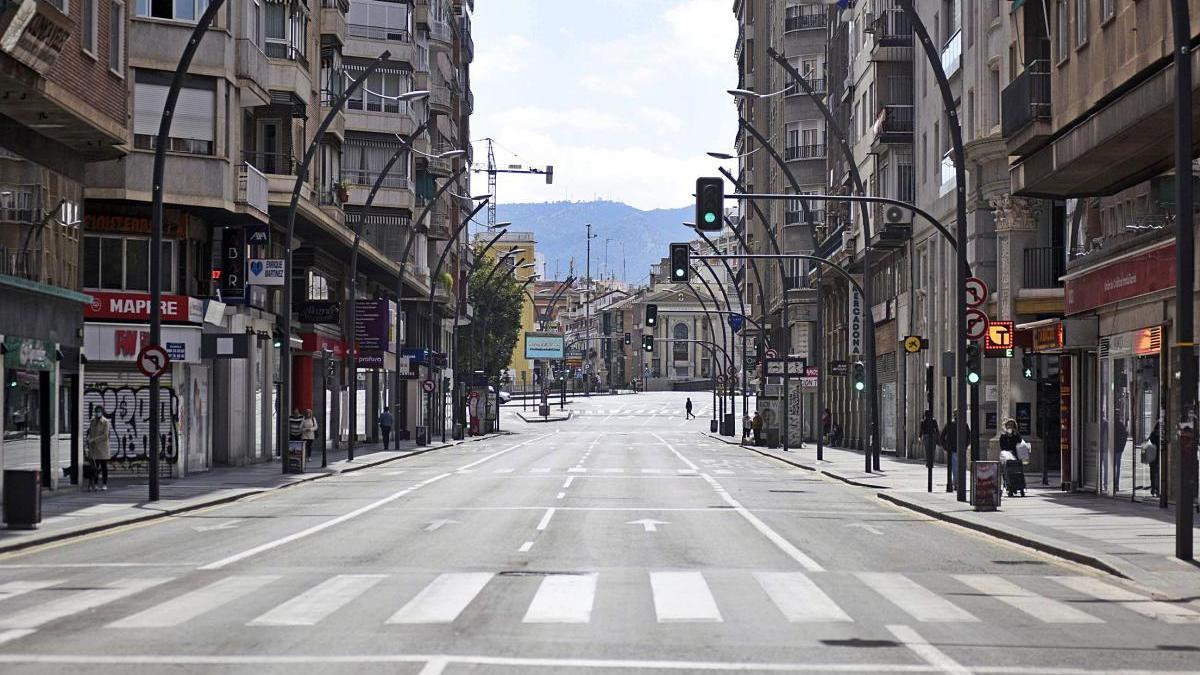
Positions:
{"x": 544, "y": 346}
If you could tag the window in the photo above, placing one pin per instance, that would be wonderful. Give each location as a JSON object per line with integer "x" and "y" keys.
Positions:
{"x": 116, "y": 38}
{"x": 286, "y": 31}
{"x": 254, "y": 22}
{"x": 87, "y": 29}
{"x": 174, "y": 10}
{"x": 364, "y": 157}
{"x": 1081, "y": 22}
{"x": 123, "y": 263}
{"x": 1061, "y": 26}
{"x": 679, "y": 350}
{"x": 378, "y": 93}
{"x": 1108, "y": 9}
{"x": 378, "y": 20}
{"x": 194, "y": 127}
{"x": 318, "y": 286}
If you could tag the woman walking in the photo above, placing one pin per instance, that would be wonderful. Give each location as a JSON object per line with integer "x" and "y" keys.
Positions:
{"x": 98, "y": 450}
{"x": 308, "y": 432}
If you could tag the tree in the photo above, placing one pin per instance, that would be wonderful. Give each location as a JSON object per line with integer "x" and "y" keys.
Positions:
{"x": 497, "y": 319}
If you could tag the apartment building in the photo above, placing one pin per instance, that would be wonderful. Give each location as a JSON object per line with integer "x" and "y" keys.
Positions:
{"x": 1088, "y": 118}
{"x": 264, "y": 77}
{"x": 50, "y": 132}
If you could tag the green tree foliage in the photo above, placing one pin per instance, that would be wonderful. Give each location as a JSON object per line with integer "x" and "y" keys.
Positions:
{"x": 498, "y": 300}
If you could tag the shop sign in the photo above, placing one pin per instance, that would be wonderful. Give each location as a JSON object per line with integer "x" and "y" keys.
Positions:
{"x": 375, "y": 324}
{"x": 1048, "y": 338}
{"x": 258, "y": 234}
{"x": 113, "y": 220}
{"x": 371, "y": 360}
{"x": 111, "y": 305}
{"x": 35, "y": 34}
{"x": 313, "y": 343}
{"x": 266, "y": 272}
{"x": 1064, "y": 414}
{"x": 28, "y": 354}
{"x": 233, "y": 264}
{"x": 856, "y": 322}
{"x": 319, "y": 311}
{"x": 117, "y": 342}
{"x": 1145, "y": 273}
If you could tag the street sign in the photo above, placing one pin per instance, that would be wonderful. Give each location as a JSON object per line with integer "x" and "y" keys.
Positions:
{"x": 914, "y": 344}
{"x": 771, "y": 353}
{"x": 427, "y": 385}
{"x": 736, "y": 321}
{"x": 977, "y": 323}
{"x": 999, "y": 335}
{"x": 977, "y": 292}
{"x": 790, "y": 367}
{"x": 839, "y": 368}
{"x": 153, "y": 361}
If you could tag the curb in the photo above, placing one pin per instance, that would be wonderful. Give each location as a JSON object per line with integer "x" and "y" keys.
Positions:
{"x": 537, "y": 419}
{"x": 218, "y": 501}
{"x": 854, "y": 482}
{"x": 764, "y": 453}
{"x": 1012, "y": 536}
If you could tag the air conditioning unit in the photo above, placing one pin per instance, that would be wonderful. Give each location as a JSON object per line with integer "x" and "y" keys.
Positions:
{"x": 897, "y": 215}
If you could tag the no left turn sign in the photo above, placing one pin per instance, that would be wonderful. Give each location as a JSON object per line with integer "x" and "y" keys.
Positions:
{"x": 427, "y": 385}
{"x": 153, "y": 361}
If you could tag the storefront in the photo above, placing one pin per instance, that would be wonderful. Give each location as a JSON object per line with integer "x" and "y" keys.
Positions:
{"x": 30, "y": 399}
{"x": 317, "y": 378}
{"x": 115, "y": 329}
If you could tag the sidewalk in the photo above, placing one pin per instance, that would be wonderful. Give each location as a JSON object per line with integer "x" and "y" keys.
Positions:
{"x": 70, "y": 513}
{"x": 1134, "y": 541}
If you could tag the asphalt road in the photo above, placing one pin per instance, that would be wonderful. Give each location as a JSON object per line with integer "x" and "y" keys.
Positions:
{"x": 623, "y": 540}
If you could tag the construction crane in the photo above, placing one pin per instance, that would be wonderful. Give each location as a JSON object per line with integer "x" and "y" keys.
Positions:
{"x": 492, "y": 170}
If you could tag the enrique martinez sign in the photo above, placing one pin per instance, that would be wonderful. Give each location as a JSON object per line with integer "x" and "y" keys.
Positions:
{"x": 1144, "y": 273}
{"x": 136, "y": 307}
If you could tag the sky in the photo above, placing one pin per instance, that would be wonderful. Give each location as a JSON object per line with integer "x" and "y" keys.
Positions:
{"x": 623, "y": 97}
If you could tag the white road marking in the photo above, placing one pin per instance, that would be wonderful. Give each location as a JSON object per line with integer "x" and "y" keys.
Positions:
{"x": 917, "y": 601}
{"x": 540, "y": 469}
{"x": 723, "y": 472}
{"x": 799, "y": 598}
{"x": 1039, "y": 607}
{"x": 435, "y": 666}
{"x": 545, "y": 519}
{"x": 78, "y": 602}
{"x": 443, "y": 599}
{"x": 503, "y": 471}
{"x": 683, "y": 596}
{"x": 1141, "y": 604}
{"x": 651, "y": 470}
{"x": 568, "y": 481}
{"x": 436, "y": 525}
{"x": 525, "y": 547}
{"x": 563, "y": 598}
{"x": 190, "y": 605}
{"x": 313, "y": 605}
{"x": 866, "y": 526}
{"x": 649, "y": 524}
{"x": 560, "y": 495}
{"x": 932, "y": 655}
{"x": 14, "y": 588}
{"x": 15, "y": 634}
{"x": 227, "y": 525}
{"x": 783, "y": 544}
{"x": 690, "y": 472}
{"x": 355, "y": 513}
{"x": 614, "y": 470}
{"x": 577, "y": 469}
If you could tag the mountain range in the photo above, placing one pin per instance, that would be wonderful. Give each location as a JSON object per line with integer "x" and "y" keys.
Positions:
{"x": 635, "y": 239}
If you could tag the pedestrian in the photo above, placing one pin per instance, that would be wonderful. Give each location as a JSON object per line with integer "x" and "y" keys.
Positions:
{"x": 1120, "y": 438}
{"x": 747, "y": 423}
{"x": 295, "y": 422}
{"x": 950, "y": 444}
{"x": 826, "y": 423}
{"x": 1010, "y": 458}
{"x": 1009, "y": 438}
{"x": 688, "y": 410}
{"x": 1150, "y": 456}
{"x": 756, "y": 426}
{"x": 308, "y": 432}
{"x": 385, "y": 426}
{"x": 835, "y": 435}
{"x": 929, "y": 431}
{"x": 98, "y": 449}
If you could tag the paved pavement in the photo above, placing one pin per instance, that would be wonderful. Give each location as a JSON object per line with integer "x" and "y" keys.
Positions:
{"x": 1135, "y": 541}
{"x": 614, "y": 542}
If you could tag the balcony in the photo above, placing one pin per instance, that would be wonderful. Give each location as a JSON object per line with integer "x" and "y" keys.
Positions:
{"x": 253, "y": 190}
{"x": 1042, "y": 267}
{"x": 794, "y": 153}
{"x": 395, "y": 192}
{"x": 288, "y": 70}
{"x": 439, "y": 96}
{"x": 333, "y": 19}
{"x": 795, "y": 217}
{"x": 894, "y": 124}
{"x": 253, "y": 74}
{"x": 952, "y": 54}
{"x": 468, "y": 43}
{"x": 817, "y": 84}
{"x": 808, "y": 18}
{"x": 893, "y": 36}
{"x": 1025, "y": 108}
{"x": 382, "y": 33}
{"x": 22, "y": 263}
{"x": 441, "y": 35}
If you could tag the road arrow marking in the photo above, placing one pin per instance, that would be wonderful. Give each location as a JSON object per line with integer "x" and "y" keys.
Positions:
{"x": 869, "y": 528}
{"x": 437, "y": 524}
{"x": 650, "y": 524}
{"x": 227, "y": 525}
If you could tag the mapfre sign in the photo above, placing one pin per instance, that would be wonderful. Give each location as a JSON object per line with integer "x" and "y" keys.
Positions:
{"x": 136, "y": 307}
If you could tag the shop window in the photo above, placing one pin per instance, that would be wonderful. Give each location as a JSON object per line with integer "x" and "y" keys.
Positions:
{"x": 123, "y": 264}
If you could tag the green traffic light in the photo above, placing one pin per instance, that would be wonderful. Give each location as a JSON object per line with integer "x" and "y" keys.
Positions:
{"x": 860, "y": 385}
{"x": 710, "y": 217}
{"x": 973, "y": 377}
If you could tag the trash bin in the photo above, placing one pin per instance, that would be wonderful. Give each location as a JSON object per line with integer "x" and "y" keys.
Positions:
{"x": 456, "y": 432}
{"x": 712, "y": 426}
{"x": 729, "y": 425}
{"x": 22, "y": 499}
{"x": 544, "y": 410}
{"x": 420, "y": 435}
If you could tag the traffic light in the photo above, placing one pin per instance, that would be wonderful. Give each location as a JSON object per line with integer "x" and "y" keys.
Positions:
{"x": 648, "y": 343}
{"x": 628, "y": 338}
{"x": 973, "y": 366}
{"x": 680, "y": 262}
{"x": 710, "y": 204}
{"x": 651, "y": 315}
{"x": 1027, "y": 365}
{"x": 860, "y": 376}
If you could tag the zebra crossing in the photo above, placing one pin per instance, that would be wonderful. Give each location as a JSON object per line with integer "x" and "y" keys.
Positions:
{"x": 675, "y": 596}
{"x": 640, "y": 412}
{"x": 609, "y": 470}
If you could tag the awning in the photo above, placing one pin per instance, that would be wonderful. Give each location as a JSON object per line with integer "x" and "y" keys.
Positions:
{"x": 1055, "y": 336}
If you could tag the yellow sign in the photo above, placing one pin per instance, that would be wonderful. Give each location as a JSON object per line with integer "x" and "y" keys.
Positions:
{"x": 999, "y": 335}
{"x": 912, "y": 344}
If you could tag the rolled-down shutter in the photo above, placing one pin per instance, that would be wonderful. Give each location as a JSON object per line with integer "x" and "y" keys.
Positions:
{"x": 195, "y": 112}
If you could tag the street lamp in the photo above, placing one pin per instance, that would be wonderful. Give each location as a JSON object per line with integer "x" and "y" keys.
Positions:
{"x": 727, "y": 156}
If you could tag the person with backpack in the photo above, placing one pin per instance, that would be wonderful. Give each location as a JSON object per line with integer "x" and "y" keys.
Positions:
{"x": 385, "y": 426}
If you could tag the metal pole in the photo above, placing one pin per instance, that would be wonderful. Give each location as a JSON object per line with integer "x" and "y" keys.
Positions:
{"x": 742, "y": 305}
{"x": 587, "y": 313}
{"x": 960, "y": 219}
{"x": 762, "y": 302}
{"x": 285, "y": 348}
{"x": 156, "y": 227}
{"x": 1185, "y": 348}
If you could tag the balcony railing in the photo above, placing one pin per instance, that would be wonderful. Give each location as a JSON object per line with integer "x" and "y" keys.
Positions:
{"x": 797, "y": 217}
{"x": 366, "y": 32}
{"x": 806, "y": 19}
{"x": 394, "y": 179}
{"x": 817, "y": 84}
{"x": 439, "y": 94}
{"x": 797, "y": 152}
{"x": 440, "y": 31}
{"x": 1026, "y": 98}
{"x": 283, "y": 50}
{"x": 253, "y": 190}
{"x": 894, "y": 124}
{"x": 952, "y": 54}
{"x": 343, "y": 5}
{"x": 893, "y": 28}
{"x": 21, "y": 204}
{"x": 25, "y": 264}
{"x": 1043, "y": 267}
{"x": 278, "y": 163}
